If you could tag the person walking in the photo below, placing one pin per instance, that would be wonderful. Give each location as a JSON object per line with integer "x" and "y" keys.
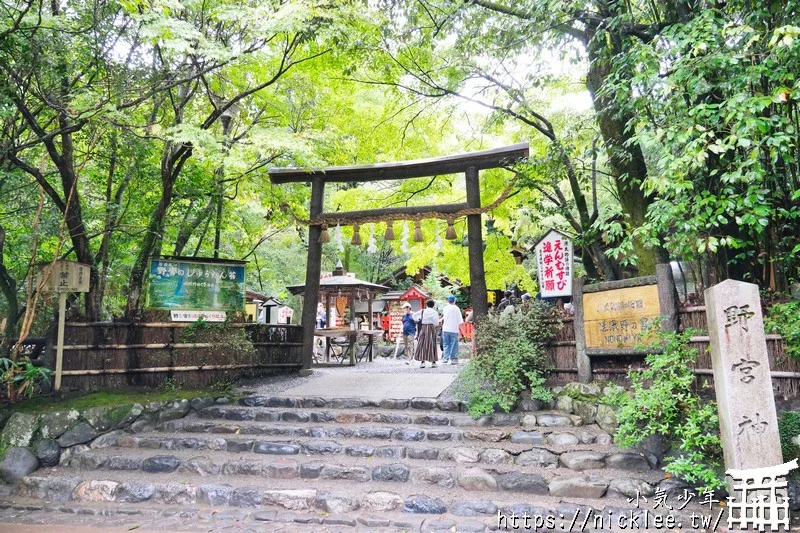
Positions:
{"x": 427, "y": 319}
{"x": 450, "y": 323}
{"x": 409, "y": 332}
{"x": 321, "y": 316}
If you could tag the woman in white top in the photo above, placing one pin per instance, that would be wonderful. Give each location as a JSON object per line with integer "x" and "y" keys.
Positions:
{"x": 427, "y": 320}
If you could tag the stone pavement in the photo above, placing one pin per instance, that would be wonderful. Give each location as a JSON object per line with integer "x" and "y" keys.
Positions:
{"x": 374, "y": 386}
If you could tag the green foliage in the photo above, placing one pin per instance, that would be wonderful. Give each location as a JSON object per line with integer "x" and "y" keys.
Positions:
{"x": 509, "y": 359}
{"x": 223, "y": 387}
{"x": 789, "y": 429}
{"x": 169, "y": 384}
{"x": 719, "y": 129}
{"x": 24, "y": 375}
{"x": 663, "y": 402}
{"x": 784, "y": 318}
{"x": 228, "y": 342}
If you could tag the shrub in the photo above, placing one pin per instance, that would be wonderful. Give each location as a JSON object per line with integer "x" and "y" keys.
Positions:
{"x": 23, "y": 375}
{"x": 664, "y": 402}
{"x": 509, "y": 359}
{"x": 785, "y": 319}
{"x": 228, "y": 344}
{"x": 789, "y": 428}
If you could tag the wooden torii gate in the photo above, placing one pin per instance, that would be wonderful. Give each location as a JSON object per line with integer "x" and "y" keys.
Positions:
{"x": 470, "y": 164}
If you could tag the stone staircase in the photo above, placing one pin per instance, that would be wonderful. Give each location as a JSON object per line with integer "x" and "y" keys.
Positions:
{"x": 352, "y": 464}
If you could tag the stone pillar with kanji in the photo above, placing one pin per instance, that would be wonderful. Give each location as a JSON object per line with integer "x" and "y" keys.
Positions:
{"x": 742, "y": 382}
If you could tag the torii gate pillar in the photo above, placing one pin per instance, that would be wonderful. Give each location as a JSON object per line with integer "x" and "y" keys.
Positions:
{"x": 477, "y": 273}
{"x": 313, "y": 268}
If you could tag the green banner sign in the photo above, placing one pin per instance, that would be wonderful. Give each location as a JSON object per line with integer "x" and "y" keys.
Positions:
{"x": 175, "y": 284}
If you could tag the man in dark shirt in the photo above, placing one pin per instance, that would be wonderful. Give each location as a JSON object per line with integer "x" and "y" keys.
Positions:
{"x": 409, "y": 331}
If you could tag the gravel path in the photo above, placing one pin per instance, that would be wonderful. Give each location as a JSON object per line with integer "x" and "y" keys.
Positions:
{"x": 274, "y": 385}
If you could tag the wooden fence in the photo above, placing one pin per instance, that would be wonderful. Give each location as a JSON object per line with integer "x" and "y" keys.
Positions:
{"x": 785, "y": 370}
{"x": 112, "y": 354}
{"x": 109, "y": 355}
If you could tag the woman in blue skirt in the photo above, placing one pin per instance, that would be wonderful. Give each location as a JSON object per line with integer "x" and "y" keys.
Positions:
{"x": 427, "y": 320}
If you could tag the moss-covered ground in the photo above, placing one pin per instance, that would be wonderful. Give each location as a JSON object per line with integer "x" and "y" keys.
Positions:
{"x": 107, "y": 398}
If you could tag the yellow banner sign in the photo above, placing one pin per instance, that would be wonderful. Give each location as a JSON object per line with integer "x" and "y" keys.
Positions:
{"x": 617, "y": 318}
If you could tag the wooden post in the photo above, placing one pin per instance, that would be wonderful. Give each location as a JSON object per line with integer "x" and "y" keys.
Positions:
{"x": 583, "y": 362}
{"x": 369, "y": 327}
{"x": 477, "y": 274}
{"x": 62, "y": 311}
{"x": 328, "y": 325}
{"x": 328, "y": 311}
{"x": 312, "y": 272}
{"x": 353, "y": 326}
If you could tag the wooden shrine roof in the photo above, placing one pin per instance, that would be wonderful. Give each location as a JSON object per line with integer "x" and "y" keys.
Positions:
{"x": 336, "y": 284}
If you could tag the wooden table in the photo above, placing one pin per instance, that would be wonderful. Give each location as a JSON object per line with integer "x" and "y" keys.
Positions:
{"x": 351, "y": 335}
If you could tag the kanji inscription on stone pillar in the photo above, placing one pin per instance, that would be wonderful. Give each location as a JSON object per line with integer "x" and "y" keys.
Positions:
{"x": 745, "y": 401}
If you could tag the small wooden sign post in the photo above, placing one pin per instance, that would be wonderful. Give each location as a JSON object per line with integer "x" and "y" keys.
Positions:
{"x": 62, "y": 277}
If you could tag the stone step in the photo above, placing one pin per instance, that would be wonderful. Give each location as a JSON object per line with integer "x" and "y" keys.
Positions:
{"x": 531, "y": 479}
{"x": 297, "y": 494}
{"x": 417, "y": 404}
{"x": 499, "y": 453}
{"x": 546, "y": 418}
{"x": 407, "y": 433}
{"x": 472, "y": 517}
{"x": 150, "y": 516}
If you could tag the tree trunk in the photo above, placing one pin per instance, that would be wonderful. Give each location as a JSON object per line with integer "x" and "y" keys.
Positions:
{"x": 8, "y": 286}
{"x": 188, "y": 229}
{"x": 624, "y": 156}
{"x": 149, "y": 244}
{"x": 171, "y": 164}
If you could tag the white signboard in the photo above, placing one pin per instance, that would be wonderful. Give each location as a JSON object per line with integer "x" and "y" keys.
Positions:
{"x": 64, "y": 276}
{"x": 194, "y": 316}
{"x": 285, "y": 314}
{"x": 554, "y": 261}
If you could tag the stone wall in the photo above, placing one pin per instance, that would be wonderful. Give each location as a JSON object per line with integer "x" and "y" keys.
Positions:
{"x": 587, "y": 401}
{"x": 28, "y": 442}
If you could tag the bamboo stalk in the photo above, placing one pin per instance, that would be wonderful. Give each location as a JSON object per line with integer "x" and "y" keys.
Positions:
{"x": 153, "y": 346}
{"x": 167, "y": 324}
{"x": 277, "y": 344}
{"x": 163, "y": 346}
{"x": 174, "y": 369}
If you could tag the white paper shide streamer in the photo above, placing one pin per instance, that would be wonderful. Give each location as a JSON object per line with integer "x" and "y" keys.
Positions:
{"x": 371, "y": 246}
{"x": 404, "y": 238}
{"x": 337, "y": 238}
